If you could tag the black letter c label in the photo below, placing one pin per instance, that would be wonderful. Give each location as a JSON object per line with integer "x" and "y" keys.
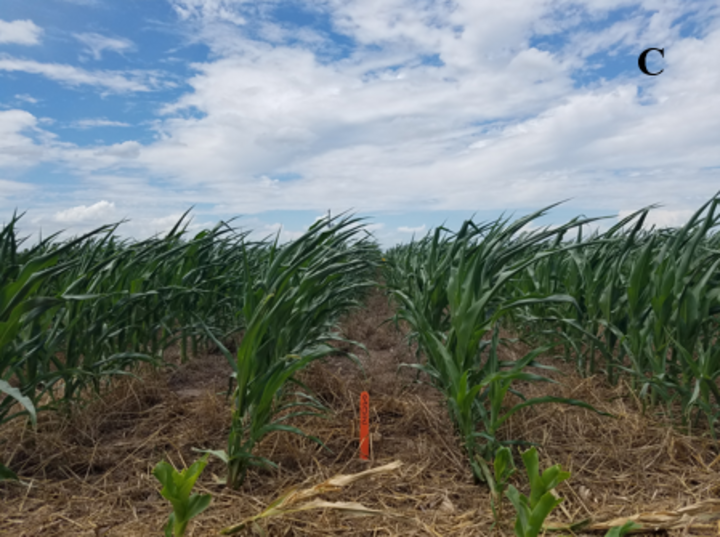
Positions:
{"x": 642, "y": 58}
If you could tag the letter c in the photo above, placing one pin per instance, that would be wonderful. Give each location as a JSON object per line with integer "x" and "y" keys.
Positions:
{"x": 642, "y": 58}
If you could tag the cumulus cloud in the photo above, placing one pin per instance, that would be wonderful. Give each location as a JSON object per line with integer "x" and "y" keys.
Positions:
{"x": 272, "y": 230}
{"x": 23, "y": 144}
{"x": 164, "y": 224}
{"x": 9, "y": 189}
{"x": 124, "y": 150}
{"x": 663, "y": 218}
{"x": 26, "y": 98}
{"x": 375, "y": 227}
{"x": 428, "y": 105}
{"x": 111, "y": 81}
{"x": 17, "y": 146}
{"x": 13, "y": 121}
{"x": 99, "y": 211}
{"x": 95, "y": 44}
{"x": 406, "y": 229}
{"x": 20, "y": 32}
{"x": 491, "y": 123}
{"x": 98, "y": 122}
{"x": 209, "y": 10}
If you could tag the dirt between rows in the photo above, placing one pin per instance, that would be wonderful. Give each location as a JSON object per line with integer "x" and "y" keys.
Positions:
{"x": 90, "y": 475}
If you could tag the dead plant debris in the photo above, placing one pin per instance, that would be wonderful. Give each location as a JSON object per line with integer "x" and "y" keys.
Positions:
{"x": 90, "y": 475}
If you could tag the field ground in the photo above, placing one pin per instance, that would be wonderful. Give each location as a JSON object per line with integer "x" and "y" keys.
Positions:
{"x": 91, "y": 475}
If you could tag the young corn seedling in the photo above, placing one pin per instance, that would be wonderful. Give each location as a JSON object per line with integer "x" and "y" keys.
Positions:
{"x": 532, "y": 511}
{"x": 621, "y": 531}
{"x": 176, "y": 489}
{"x": 503, "y": 469}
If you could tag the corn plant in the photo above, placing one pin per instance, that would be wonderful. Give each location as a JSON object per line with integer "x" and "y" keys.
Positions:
{"x": 699, "y": 389}
{"x": 26, "y": 347}
{"x": 648, "y": 304}
{"x": 77, "y": 313}
{"x": 593, "y": 276}
{"x": 503, "y": 470}
{"x": 532, "y": 511}
{"x": 290, "y": 310}
{"x": 468, "y": 298}
{"x": 176, "y": 489}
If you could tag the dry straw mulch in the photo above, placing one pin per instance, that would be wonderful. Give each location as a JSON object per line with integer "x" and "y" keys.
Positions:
{"x": 90, "y": 474}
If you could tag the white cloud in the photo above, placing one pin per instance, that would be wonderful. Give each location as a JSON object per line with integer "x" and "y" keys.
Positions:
{"x": 23, "y": 144}
{"x": 17, "y": 147}
{"x": 20, "y": 32}
{"x": 26, "y": 98}
{"x": 285, "y": 136}
{"x": 164, "y": 224}
{"x": 271, "y": 231}
{"x": 9, "y": 189}
{"x": 111, "y": 81}
{"x": 496, "y": 124}
{"x": 663, "y": 218}
{"x": 360, "y": 135}
{"x": 406, "y": 229}
{"x": 95, "y": 44}
{"x": 209, "y": 10}
{"x": 98, "y": 122}
{"x": 101, "y": 211}
{"x": 124, "y": 150}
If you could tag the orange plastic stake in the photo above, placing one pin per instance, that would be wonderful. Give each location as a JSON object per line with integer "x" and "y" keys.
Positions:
{"x": 364, "y": 425}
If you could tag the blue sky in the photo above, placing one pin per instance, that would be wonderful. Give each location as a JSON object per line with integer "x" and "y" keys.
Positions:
{"x": 412, "y": 113}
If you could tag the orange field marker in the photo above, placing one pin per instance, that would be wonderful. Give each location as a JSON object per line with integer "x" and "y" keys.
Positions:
{"x": 364, "y": 425}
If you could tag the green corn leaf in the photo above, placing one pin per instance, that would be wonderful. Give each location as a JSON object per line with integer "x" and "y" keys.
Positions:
{"x": 198, "y": 504}
{"x": 621, "y": 531}
{"x": 503, "y": 465}
{"x": 6, "y": 474}
{"x": 177, "y": 487}
{"x": 544, "y": 506}
{"x": 25, "y": 401}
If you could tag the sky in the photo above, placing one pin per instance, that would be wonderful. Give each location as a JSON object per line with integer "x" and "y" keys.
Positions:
{"x": 410, "y": 113}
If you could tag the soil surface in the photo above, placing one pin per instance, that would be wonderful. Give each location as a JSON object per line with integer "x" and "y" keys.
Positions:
{"x": 90, "y": 474}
